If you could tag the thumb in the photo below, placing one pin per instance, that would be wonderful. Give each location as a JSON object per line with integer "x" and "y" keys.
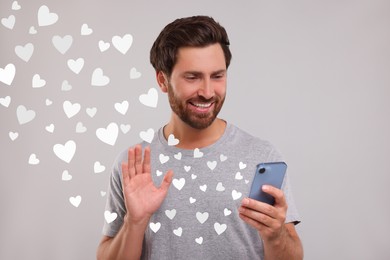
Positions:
{"x": 167, "y": 180}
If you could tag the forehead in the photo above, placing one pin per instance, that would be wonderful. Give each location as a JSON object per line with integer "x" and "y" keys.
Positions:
{"x": 202, "y": 59}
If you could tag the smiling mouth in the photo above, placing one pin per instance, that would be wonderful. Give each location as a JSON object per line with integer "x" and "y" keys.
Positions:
{"x": 201, "y": 105}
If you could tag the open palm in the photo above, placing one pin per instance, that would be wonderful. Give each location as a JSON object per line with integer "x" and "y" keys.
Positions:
{"x": 142, "y": 197}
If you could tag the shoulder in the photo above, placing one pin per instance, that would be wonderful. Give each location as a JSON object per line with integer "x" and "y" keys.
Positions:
{"x": 253, "y": 144}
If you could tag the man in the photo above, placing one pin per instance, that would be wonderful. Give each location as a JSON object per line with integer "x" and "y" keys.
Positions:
{"x": 199, "y": 209}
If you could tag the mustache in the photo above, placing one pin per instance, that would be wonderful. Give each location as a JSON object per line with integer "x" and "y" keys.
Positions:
{"x": 201, "y": 99}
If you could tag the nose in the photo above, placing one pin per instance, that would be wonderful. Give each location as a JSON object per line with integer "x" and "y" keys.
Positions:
{"x": 206, "y": 89}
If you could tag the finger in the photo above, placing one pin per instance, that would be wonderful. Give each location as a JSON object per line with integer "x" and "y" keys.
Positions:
{"x": 125, "y": 173}
{"x": 130, "y": 162}
{"x": 259, "y": 206}
{"x": 167, "y": 181}
{"x": 257, "y": 225}
{"x": 146, "y": 161}
{"x": 257, "y": 216}
{"x": 138, "y": 159}
{"x": 278, "y": 194}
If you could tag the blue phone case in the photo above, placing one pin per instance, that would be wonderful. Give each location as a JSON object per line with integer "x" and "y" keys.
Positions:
{"x": 270, "y": 174}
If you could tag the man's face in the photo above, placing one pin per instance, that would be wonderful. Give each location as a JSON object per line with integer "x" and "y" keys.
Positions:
{"x": 197, "y": 86}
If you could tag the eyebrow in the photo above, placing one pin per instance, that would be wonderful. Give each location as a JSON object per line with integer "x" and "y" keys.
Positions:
{"x": 197, "y": 73}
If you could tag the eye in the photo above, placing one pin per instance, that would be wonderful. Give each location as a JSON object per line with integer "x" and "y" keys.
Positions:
{"x": 218, "y": 76}
{"x": 190, "y": 77}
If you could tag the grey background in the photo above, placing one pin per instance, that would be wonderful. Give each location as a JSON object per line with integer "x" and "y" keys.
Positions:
{"x": 312, "y": 77}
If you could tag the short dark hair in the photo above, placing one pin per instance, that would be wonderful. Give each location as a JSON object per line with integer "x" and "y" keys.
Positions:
{"x": 195, "y": 31}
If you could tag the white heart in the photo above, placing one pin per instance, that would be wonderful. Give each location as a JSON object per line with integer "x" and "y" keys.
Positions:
{"x": 193, "y": 176}
{"x": 179, "y": 183}
{"x": 246, "y": 181}
{"x": 187, "y": 168}
{"x": 219, "y": 228}
{"x": 66, "y": 86}
{"x": 16, "y": 6}
{"x": 242, "y": 165}
{"x": 178, "y": 231}
{"x": 24, "y": 115}
{"x": 103, "y": 193}
{"x": 202, "y": 217}
{"x": 5, "y": 101}
{"x": 236, "y": 195}
{"x": 62, "y": 44}
{"x": 66, "y": 176}
{"x": 150, "y": 99}
{"x": 178, "y": 156}
{"x": 158, "y": 173}
{"x": 46, "y": 18}
{"x": 170, "y": 213}
{"x": 163, "y": 158}
{"x": 122, "y": 44}
{"x": 238, "y": 176}
{"x": 32, "y": 30}
{"x": 172, "y": 140}
{"x": 65, "y": 152}
{"x": 197, "y": 153}
{"x": 108, "y": 135}
{"x": 98, "y": 168}
{"x": 147, "y": 135}
{"x": 222, "y": 158}
{"x": 9, "y": 22}
{"x": 75, "y": 201}
{"x": 37, "y": 82}
{"x": 192, "y": 200}
{"x": 199, "y": 240}
{"x": 203, "y": 187}
{"x": 125, "y": 128}
{"x": 76, "y": 65}
{"x": 103, "y": 46}
{"x": 33, "y": 160}
{"x": 99, "y": 79}
{"x": 134, "y": 74}
{"x": 212, "y": 164}
{"x": 71, "y": 109}
{"x": 25, "y": 52}
{"x": 155, "y": 226}
{"x": 220, "y": 187}
{"x": 85, "y": 30}
{"x": 122, "y": 107}
{"x": 13, "y": 135}
{"x": 7, "y": 74}
{"x": 110, "y": 216}
{"x": 227, "y": 212}
{"x": 50, "y": 128}
{"x": 91, "y": 111}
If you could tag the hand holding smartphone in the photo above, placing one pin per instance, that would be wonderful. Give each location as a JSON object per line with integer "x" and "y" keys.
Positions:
{"x": 267, "y": 174}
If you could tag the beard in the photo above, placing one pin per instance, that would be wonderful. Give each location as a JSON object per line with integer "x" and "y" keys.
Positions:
{"x": 195, "y": 120}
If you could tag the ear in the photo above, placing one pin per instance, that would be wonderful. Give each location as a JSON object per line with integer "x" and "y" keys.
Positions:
{"x": 162, "y": 81}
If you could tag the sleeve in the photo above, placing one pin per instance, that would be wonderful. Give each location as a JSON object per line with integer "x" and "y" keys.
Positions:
{"x": 292, "y": 215}
{"x": 115, "y": 201}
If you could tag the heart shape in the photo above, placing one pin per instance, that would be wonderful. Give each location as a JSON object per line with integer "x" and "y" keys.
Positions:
{"x": 110, "y": 216}
{"x": 150, "y": 99}
{"x": 179, "y": 183}
{"x": 45, "y": 17}
{"x": 109, "y": 134}
{"x": 7, "y": 74}
{"x": 24, "y": 116}
{"x": 65, "y": 152}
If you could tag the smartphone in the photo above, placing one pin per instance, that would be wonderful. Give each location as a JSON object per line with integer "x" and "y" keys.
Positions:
{"x": 267, "y": 173}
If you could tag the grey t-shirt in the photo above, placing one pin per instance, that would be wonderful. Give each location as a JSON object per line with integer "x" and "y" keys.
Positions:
{"x": 199, "y": 217}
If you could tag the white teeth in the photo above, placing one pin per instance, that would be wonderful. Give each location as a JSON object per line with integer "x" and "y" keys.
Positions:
{"x": 202, "y": 105}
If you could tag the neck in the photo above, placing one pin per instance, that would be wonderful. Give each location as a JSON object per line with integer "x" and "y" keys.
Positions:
{"x": 191, "y": 138}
